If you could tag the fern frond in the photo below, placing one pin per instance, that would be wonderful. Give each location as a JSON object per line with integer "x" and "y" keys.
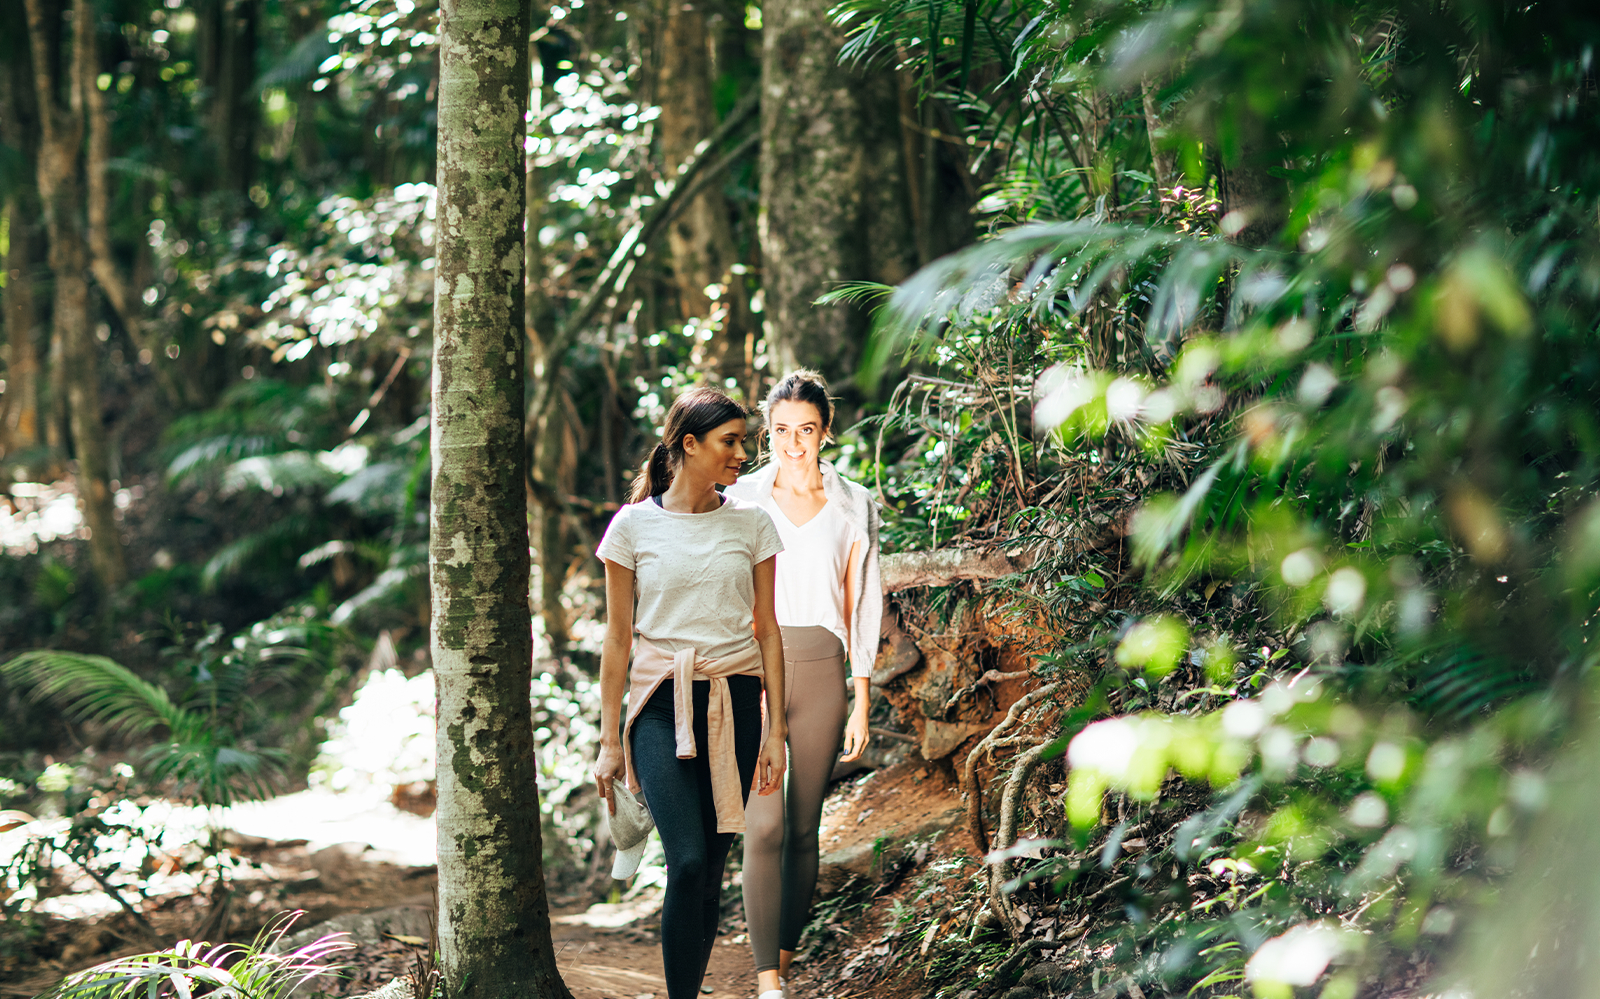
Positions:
{"x": 856, "y": 292}
{"x": 94, "y": 688}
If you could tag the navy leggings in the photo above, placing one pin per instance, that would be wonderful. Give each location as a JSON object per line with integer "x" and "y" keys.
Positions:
{"x": 679, "y": 795}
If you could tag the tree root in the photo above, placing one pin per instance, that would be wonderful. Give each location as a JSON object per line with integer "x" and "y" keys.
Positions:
{"x": 970, "y": 788}
{"x": 992, "y": 676}
{"x": 1010, "y": 801}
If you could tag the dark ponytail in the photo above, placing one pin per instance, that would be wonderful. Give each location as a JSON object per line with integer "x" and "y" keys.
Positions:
{"x": 695, "y": 413}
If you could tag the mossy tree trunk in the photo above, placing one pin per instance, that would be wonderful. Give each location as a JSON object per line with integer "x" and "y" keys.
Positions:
{"x": 61, "y": 195}
{"x": 833, "y": 187}
{"x": 494, "y": 920}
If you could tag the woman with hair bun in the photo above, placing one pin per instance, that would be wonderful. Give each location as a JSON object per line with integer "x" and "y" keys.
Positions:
{"x": 829, "y": 604}
{"x": 699, "y": 567}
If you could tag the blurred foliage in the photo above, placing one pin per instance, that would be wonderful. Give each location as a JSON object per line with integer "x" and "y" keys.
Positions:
{"x": 1347, "y": 353}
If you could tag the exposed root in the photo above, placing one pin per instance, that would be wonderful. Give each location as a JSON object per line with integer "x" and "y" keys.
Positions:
{"x": 970, "y": 789}
{"x": 992, "y": 676}
{"x": 1010, "y": 803}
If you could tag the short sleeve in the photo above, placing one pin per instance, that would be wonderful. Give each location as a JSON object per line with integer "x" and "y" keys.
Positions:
{"x": 617, "y": 543}
{"x": 766, "y": 542}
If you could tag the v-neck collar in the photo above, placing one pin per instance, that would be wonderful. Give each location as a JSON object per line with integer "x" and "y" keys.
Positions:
{"x": 811, "y": 520}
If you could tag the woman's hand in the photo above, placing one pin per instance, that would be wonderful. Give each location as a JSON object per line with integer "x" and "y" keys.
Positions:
{"x": 609, "y": 767}
{"x": 855, "y": 732}
{"x": 772, "y": 762}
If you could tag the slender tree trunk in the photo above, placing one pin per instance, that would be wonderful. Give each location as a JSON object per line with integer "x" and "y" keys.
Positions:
{"x": 701, "y": 240}
{"x": 227, "y": 68}
{"x": 494, "y": 921}
{"x": 553, "y": 547}
{"x": 1255, "y": 204}
{"x": 21, "y": 413}
{"x": 19, "y": 129}
{"x": 833, "y": 192}
{"x": 547, "y": 445}
{"x": 102, "y": 260}
{"x": 1163, "y": 164}
{"x": 61, "y": 194}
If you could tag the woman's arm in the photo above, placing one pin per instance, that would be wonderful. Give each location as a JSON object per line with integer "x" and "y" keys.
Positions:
{"x": 855, "y": 729}
{"x": 614, "y": 678}
{"x": 771, "y": 764}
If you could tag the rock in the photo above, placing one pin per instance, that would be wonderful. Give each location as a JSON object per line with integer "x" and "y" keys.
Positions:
{"x": 897, "y": 655}
{"x": 940, "y": 739}
{"x": 332, "y": 862}
{"x": 400, "y": 988}
{"x": 90, "y": 943}
{"x": 1043, "y": 975}
{"x": 1022, "y": 992}
{"x": 881, "y": 753}
{"x": 368, "y": 927}
{"x": 861, "y": 859}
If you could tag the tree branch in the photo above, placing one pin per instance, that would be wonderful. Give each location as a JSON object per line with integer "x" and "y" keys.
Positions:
{"x": 904, "y": 570}
{"x": 693, "y": 175}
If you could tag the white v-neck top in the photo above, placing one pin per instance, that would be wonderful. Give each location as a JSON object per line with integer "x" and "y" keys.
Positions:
{"x": 810, "y": 579}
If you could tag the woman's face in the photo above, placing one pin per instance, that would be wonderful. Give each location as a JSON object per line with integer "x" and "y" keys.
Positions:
{"x": 797, "y": 431}
{"x": 718, "y": 455}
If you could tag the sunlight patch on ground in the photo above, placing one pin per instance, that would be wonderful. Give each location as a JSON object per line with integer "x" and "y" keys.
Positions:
{"x": 326, "y": 818}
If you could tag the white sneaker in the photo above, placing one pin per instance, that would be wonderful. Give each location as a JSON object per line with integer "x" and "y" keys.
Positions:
{"x": 774, "y": 994}
{"x": 783, "y": 986}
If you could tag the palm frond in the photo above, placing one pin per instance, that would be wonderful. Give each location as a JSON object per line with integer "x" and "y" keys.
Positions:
{"x": 94, "y": 688}
{"x": 856, "y": 293}
{"x": 286, "y": 471}
{"x": 279, "y": 540}
{"x": 212, "y": 773}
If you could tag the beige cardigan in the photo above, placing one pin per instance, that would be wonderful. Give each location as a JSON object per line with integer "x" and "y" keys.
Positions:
{"x": 651, "y": 665}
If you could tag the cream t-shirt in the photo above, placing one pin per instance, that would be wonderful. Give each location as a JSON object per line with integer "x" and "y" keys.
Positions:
{"x": 694, "y": 572}
{"x": 811, "y": 568}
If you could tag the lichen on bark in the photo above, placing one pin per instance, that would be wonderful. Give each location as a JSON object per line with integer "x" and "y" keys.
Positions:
{"x": 494, "y": 924}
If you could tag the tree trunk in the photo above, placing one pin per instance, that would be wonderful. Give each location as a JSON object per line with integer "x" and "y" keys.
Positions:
{"x": 102, "y": 261}
{"x": 1255, "y": 204}
{"x": 227, "y": 69}
{"x": 494, "y": 921}
{"x": 701, "y": 240}
{"x": 1163, "y": 163}
{"x": 61, "y": 194}
{"x": 19, "y": 129}
{"x": 20, "y": 429}
{"x": 833, "y": 192}
{"x": 546, "y": 447}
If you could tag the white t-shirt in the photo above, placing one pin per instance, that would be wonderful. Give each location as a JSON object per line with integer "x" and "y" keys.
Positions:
{"x": 694, "y": 580}
{"x": 810, "y": 586}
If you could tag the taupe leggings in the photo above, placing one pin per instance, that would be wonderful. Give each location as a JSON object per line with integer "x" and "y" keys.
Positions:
{"x": 780, "y": 839}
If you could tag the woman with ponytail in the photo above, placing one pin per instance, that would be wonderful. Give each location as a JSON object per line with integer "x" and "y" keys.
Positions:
{"x": 829, "y": 605}
{"x": 689, "y": 584}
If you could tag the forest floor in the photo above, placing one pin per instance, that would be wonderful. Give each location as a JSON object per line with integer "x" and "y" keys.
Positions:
{"x": 370, "y": 884}
{"x": 896, "y": 890}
